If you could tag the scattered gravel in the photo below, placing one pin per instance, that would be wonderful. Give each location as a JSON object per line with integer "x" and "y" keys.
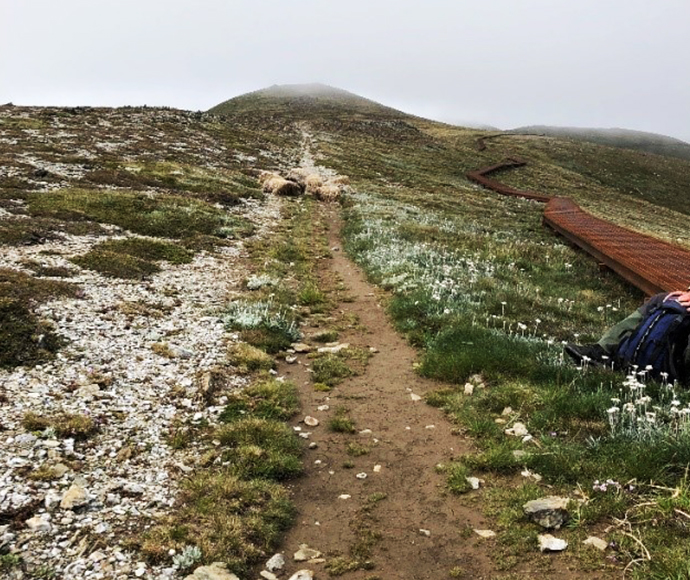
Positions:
{"x": 67, "y": 504}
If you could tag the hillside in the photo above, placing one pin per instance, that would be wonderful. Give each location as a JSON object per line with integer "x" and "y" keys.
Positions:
{"x": 624, "y": 138}
{"x": 195, "y": 370}
{"x": 304, "y": 100}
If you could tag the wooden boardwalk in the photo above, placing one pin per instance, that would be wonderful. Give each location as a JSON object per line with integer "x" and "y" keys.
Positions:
{"x": 650, "y": 264}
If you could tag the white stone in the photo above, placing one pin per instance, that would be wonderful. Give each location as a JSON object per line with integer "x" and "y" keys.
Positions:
{"x": 549, "y": 543}
{"x": 469, "y": 388}
{"x": 485, "y": 533}
{"x": 344, "y": 496}
{"x": 377, "y": 468}
{"x": 361, "y": 475}
{"x": 474, "y": 482}
{"x": 424, "y": 532}
{"x": 275, "y": 562}
{"x": 311, "y": 421}
{"x": 216, "y": 571}
{"x": 305, "y": 553}
{"x": 598, "y": 543}
{"x": 74, "y": 497}
{"x": 334, "y": 349}
{"x": 302, "y": 575}
{"x": 517, "y": 430}
{"x": 39, "y": 523}
{"x": 415, "y": 397}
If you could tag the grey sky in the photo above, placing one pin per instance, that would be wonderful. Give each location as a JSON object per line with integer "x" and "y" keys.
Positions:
{"x": 605, "y": 63}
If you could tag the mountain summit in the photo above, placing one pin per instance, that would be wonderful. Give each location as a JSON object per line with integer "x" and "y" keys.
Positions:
{"x": 312, "y": 98}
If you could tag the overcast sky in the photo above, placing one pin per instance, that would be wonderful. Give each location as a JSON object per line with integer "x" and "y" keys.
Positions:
{"x": 602, "y": 63}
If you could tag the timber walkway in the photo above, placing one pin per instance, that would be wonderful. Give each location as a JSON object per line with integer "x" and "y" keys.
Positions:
{"x": 650, "y": 264}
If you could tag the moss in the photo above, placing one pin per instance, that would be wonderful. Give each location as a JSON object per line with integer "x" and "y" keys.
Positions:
{"x": 167, "y": 216}
{"x": 28, "y": 289}
{"x": 24, "y": 339}
{"x": 116, "y": 265}
{"x": 162, "y": 349}
{"x": 132, "y": 258}
{"x": 35, "y": 422}
{"x": 44, "y": 473}
{"x": 148, "y": 249}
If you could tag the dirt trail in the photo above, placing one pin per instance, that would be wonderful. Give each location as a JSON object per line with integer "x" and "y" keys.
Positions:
{"x": 407, "y": 439}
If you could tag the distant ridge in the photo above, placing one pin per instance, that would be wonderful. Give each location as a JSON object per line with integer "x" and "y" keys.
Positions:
{"x": 305, "y": 98}
{"x": 625, "y": 138}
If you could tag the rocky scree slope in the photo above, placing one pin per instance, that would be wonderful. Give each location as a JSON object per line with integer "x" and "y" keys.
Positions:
{"x": 87, "y": 458}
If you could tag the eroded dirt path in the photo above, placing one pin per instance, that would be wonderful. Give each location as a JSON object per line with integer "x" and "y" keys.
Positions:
{"x": 417, "y": 530}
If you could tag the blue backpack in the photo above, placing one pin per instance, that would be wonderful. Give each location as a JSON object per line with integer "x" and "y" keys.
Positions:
{"x": 658, "y": 341}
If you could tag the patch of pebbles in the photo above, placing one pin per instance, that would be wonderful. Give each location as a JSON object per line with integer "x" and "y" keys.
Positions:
{"x": 122, "y": 479}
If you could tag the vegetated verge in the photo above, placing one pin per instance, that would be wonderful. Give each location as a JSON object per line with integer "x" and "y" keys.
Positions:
{"x": 235, "y": 509}
{"x": 490, "y": 301}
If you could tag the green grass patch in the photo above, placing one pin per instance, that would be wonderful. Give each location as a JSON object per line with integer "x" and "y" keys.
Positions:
{"x": 325, "y": 336}
{"x": 151, "y": 215}
{"x": 330, "y": 369}
{"x": 248, "y": 358}
{"x": 261, "y": 448}
{"x": 265, "y": 399}
{"x": 357, "y": 450}
{"x": 341, "y": 422}
{"x": 231, "y": 520}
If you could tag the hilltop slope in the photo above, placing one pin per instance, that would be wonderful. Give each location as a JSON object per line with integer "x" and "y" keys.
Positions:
{"x": 307, "y": 99}
{"x": 624, "y": 138}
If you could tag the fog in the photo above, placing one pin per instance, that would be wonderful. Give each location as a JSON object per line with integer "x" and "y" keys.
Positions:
{"x": 591, "y": 63}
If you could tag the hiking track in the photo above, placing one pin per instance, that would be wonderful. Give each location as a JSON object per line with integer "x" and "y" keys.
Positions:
{"x": 650, "y": 264}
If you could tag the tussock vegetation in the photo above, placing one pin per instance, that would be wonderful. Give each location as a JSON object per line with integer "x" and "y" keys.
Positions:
{"x": 132, "y": 258}
{"x": 167, "y": 216}
{"x": 236, "y": 508}
{"x": 265, "y": 399}
{"x": 63, "y": 425}
{"x": 231, "y": 520}
{"x": 24, "y": 338}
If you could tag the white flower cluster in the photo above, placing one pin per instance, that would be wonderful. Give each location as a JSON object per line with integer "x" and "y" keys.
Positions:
{"x": 247, "y": 315}
{"x": 634, "y": 415}
{"x": 405, "y": 265}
